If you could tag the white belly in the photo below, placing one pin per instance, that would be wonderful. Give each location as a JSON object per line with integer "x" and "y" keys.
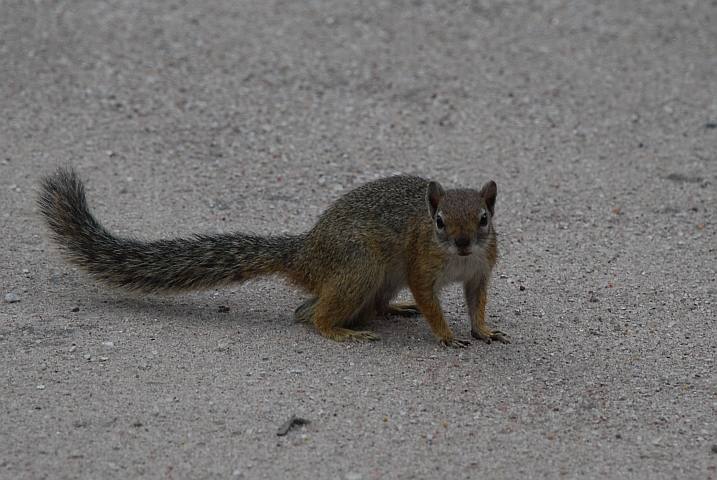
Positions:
{"x": 460, "y": 269}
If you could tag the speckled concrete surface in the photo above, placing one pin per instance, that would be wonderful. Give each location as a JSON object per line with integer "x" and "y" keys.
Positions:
{"x": 597, "y": 121}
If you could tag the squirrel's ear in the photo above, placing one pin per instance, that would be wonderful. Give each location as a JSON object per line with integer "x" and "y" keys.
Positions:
{"x": 433, "y": 196}
{"x": 489, "y": 192}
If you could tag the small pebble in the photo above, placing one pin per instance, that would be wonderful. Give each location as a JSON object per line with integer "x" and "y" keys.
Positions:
{"x": 12, "y": 298}
{"x": 714, "y": 448}
{"x": 41, "y": 387}
{"x": 286, "y": 426}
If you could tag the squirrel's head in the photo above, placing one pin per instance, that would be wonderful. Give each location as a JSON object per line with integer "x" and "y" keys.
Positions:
{"x": 462, "y": 218}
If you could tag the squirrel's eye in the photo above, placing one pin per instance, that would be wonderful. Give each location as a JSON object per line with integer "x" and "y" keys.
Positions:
{"x": 439, "y": 223}
{"x": 484, "y": 220}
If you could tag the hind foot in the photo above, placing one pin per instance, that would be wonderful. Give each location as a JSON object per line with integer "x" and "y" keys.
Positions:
{"x": 404, "y": 309}
{"x": 344, "y": 335}
{"x": 305, "y": 311}
{"x": 455, "y": 343}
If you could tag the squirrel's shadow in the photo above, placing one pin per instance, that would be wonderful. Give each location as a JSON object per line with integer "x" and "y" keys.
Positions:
{"x": 235, "y": 312}
{"x": 191, "y": 308}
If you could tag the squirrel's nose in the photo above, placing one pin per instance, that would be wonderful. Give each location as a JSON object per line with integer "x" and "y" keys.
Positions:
{"x": 463, "y": 242}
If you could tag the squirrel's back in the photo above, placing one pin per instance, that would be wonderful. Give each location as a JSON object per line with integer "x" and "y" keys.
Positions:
{"x": 388, "y": 201}
{"x": 383, "y": 210}
{"x": 367, "y": 226}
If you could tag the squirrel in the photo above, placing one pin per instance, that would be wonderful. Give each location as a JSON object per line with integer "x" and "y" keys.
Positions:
{"x": 388, "y": 234}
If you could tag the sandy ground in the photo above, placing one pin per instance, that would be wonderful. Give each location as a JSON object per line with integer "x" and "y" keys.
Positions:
{"x": 597, "y": 121}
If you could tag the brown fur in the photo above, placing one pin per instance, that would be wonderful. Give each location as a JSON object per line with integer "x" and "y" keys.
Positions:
{"x": 367, "y": 246}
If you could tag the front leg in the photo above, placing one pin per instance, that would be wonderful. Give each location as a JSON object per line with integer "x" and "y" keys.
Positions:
{"x": 476, "y": 290}
{"x": 427, "y": 301}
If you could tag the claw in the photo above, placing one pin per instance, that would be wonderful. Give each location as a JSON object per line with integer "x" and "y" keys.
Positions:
{"x": 490, "y": 335}
{"x": 455, "y": 343}
{"x": 404, "y": 309}
{"x": 364, "y": 336}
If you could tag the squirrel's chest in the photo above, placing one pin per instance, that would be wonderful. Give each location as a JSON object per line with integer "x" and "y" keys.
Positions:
{"x": 459, "y": 269}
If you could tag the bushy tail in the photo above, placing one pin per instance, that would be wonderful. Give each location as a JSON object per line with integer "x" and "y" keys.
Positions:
{"x": 202, "y": 261}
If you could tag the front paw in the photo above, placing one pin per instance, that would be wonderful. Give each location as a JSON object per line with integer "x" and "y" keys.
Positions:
{"x": 489, "y": 335}
{"x": 455, "y": 343}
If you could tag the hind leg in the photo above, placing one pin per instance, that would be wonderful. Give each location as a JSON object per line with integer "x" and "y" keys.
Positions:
{"x": 402, "y": 309}
{"x": 366, "y": 313}
{"x": 305, "y": 312}
{"x": 336, "y": 308}
{"x": 386, "y": 293}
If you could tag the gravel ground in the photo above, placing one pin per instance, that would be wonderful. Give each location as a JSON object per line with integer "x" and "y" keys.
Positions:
{"x": 596, "y": 119}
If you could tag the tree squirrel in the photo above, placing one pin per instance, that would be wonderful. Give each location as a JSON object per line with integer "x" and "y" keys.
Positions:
{"x": 377, "y": 239}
